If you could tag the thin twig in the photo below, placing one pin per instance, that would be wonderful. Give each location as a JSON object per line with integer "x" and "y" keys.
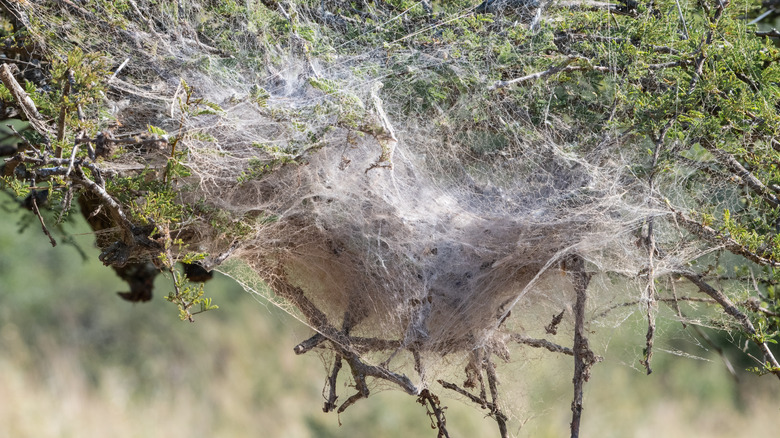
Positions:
{"x": 542, "y": 343}
{"x": 40, "y": 218}
{"x": 211, "y": 264}
{"x": 476, "y": 400}
{"x": 682, "y": 20}
{"x": 492, "y": 379}
{"x": 72, "y": 158}
{"x": 330, "y": 401}
{"x": 61, "y": 120}
{"x": 766, "y": 13}
{"x": 118, "y": 69}
{"x": 717, "y": 349}
{"x": 481, "y": 401}
{"x": 27, "y": 144}
{"x": 67, "y": 199}
{"x": 673, "y": 300}
{"x": 435, "y": 412}
{"x": 560, "y": 68}
{"x": 734, "y": 312}
{"x": 565, "y": 36}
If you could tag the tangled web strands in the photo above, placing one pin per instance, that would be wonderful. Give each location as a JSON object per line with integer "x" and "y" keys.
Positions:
{"x": 400, "y": 239}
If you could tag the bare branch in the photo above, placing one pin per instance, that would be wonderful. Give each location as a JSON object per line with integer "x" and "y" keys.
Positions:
{"x": 40, "y": 218}
{"x": 584, "y": 358}
{"x": 330, "y": 401}
{"x": 499, "y": 416}
{"x": 560, "y": 68}
{"x": 435, "y": 412}
{"x": 25, "y": 102}
{"x": 542, "y": 343}
{"x": 734, "y": 312}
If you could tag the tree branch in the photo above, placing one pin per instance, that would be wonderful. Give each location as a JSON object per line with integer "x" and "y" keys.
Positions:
{"x": 583, "y": 356}
{"x": 560, "y": 68}
{"x": 734, "y": 312}
{"x": 739, "y": 170}
{"x": 25, "y": 102}
{"x": 731, "y": 245}
{"x": 542, "y": 343}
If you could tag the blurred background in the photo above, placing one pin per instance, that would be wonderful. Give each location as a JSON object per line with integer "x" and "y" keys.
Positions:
{"x": 77, "y": 361}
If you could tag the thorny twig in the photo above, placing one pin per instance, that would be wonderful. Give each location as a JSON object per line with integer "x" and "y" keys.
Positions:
{"x": 435, "y": 412}
{"x": 480, "y": 362}
{"x": 542, "y": 343}
{"x": 552, "y": 328}
{"x": 478, "y": 400}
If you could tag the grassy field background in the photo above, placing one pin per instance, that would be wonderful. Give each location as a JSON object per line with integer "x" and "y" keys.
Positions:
{"x": 76, "y": 361}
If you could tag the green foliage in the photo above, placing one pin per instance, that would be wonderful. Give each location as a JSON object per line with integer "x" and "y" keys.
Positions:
{"x": 189, "y": 298}
{"x": 349, "y": 108}
{"x": 17, "y": 187}
{"x": 256, "y": 169}
{"x": 86, "y": 74}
